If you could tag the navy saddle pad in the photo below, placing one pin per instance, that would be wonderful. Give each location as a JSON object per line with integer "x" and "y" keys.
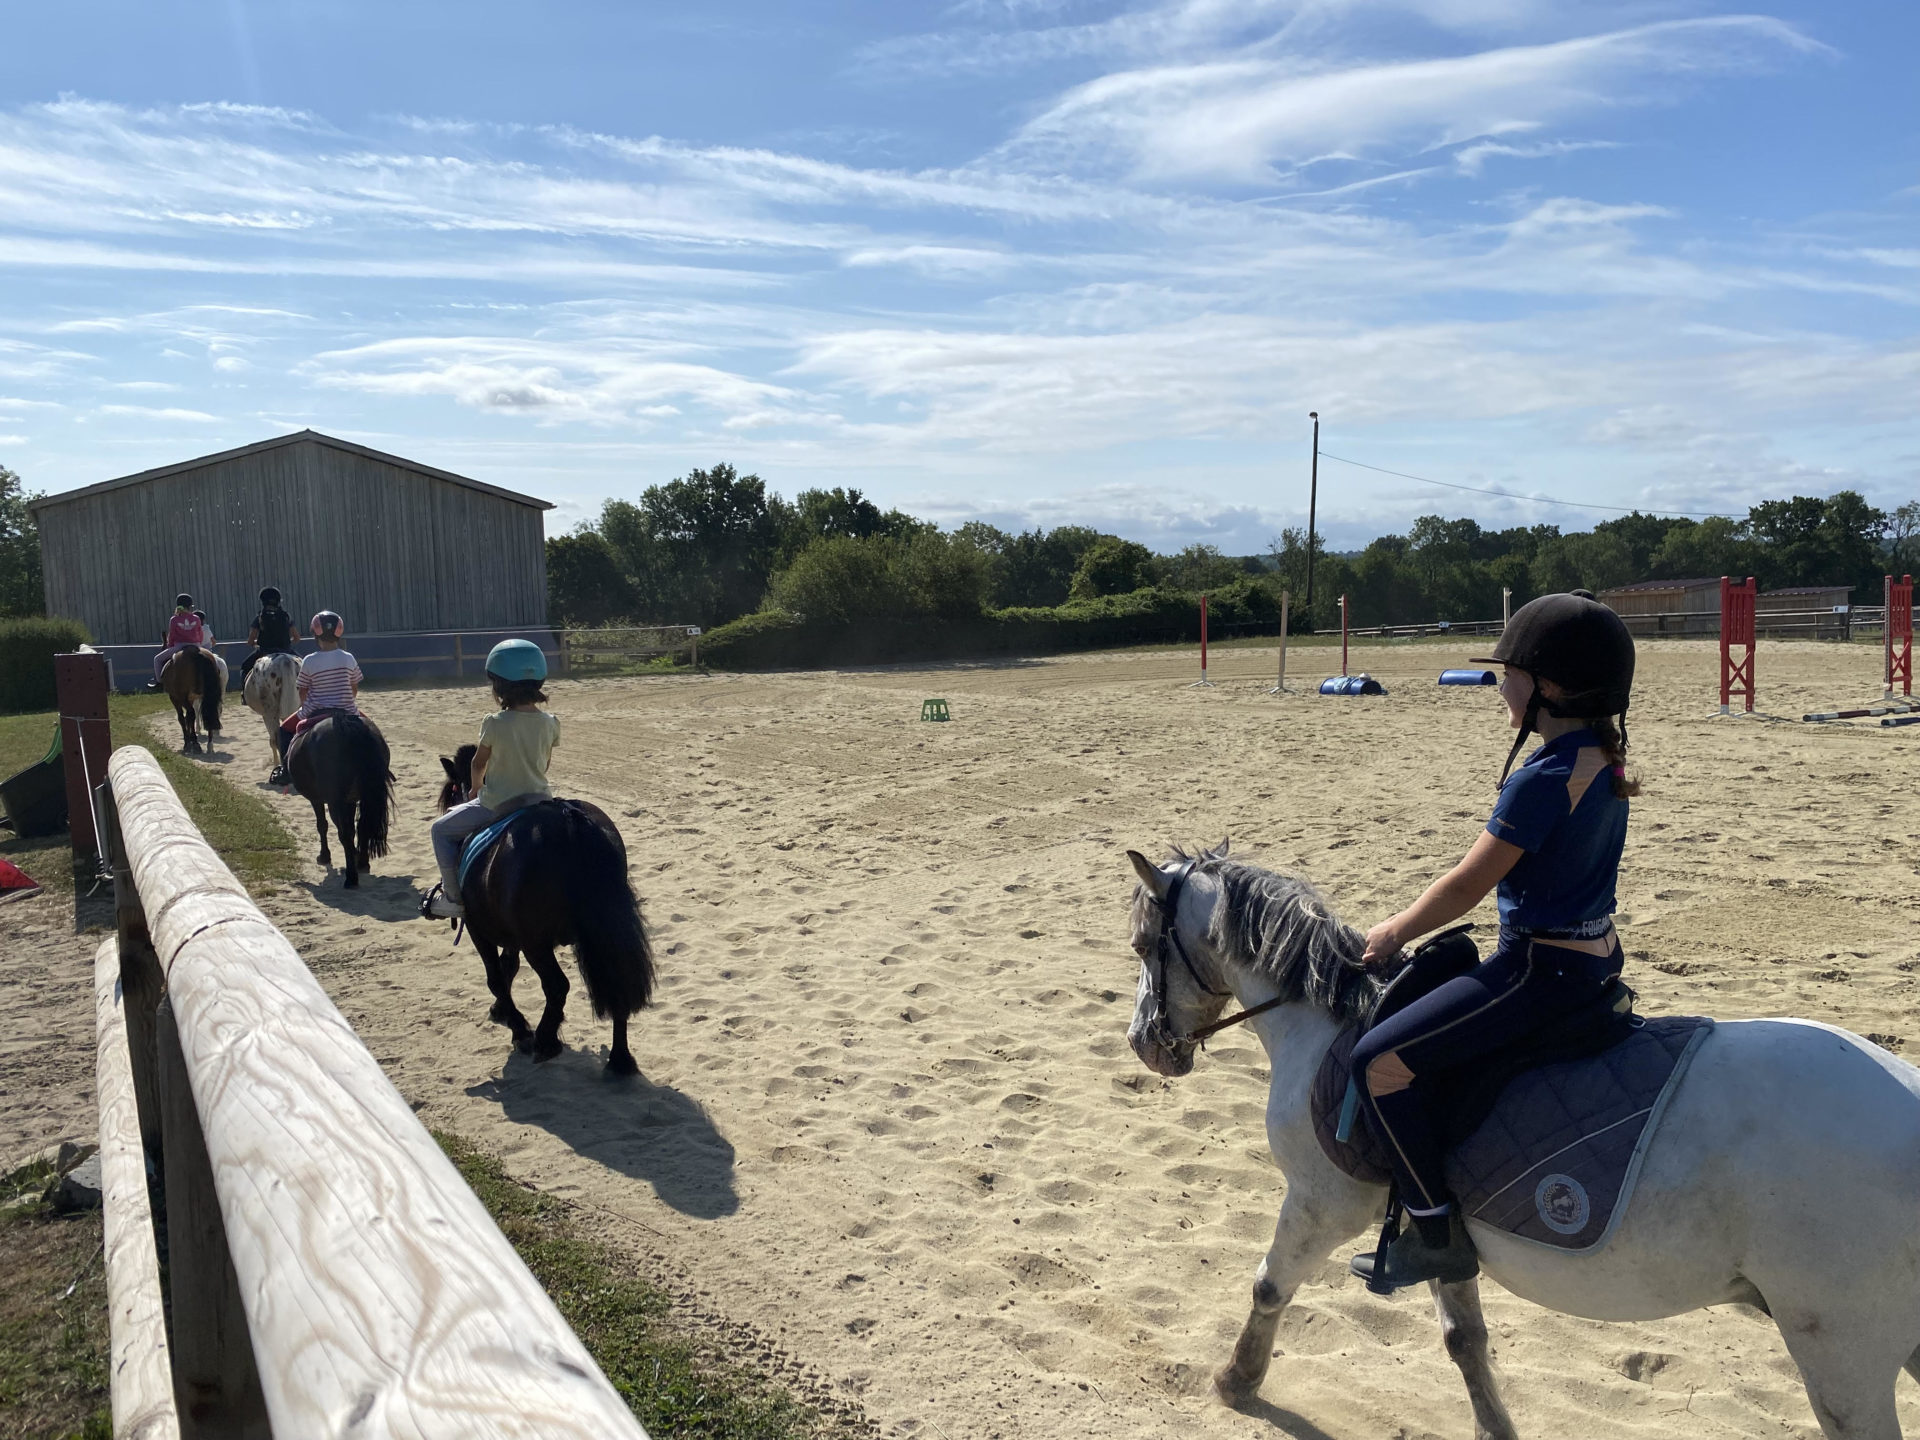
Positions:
{"x": 1544, "y": 1143}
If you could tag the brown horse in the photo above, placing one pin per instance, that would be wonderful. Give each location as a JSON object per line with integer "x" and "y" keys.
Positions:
{"x": 193, "y": 677}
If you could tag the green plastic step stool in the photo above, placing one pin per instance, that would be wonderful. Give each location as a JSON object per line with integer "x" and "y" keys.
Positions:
{"x": 934, "y": 710}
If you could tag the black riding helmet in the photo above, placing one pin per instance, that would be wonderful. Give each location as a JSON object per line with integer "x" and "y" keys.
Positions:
{"x": 1580, "y": 645}
{"x": 269, "y": 596}
{"x": 183, "y": 601}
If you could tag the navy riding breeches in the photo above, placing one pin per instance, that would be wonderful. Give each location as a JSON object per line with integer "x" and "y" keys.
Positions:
{"x": 1528, "y": 983}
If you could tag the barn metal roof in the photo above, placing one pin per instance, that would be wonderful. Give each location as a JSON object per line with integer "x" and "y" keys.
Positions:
{"x": 296, "y": 438}
{"x": 1692, "y": 584}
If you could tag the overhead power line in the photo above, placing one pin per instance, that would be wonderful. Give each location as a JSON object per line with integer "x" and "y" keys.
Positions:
{"x": 1531, "y": 499}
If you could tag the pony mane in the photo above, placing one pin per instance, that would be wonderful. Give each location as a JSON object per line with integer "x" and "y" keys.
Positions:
{"x": 1279, "y": 926}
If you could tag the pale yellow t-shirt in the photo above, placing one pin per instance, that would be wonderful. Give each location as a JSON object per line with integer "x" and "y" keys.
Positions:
{"x": 521, "y": 741}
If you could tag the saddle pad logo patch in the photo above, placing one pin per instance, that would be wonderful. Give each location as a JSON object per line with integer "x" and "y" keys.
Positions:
{"x": 1562, "y": 1204}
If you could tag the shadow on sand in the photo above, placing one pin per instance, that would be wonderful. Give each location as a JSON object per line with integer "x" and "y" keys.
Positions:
{"x": 641, "y": 1130}
{"x": 377, "y": 897}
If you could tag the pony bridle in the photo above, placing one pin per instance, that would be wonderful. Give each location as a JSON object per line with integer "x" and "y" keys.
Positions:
{"x": 1160, "y": 1030}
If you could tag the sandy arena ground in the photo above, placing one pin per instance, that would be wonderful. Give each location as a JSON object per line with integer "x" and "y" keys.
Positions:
{"x": 889, "y": 1116}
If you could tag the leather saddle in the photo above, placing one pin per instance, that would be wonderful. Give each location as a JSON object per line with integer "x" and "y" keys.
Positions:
{"x": 1465, "y": 1097}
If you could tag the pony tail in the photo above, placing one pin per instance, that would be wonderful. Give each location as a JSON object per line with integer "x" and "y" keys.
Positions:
{"x": 1613, "y": 744}
{"x": 610, "y": 940}
{"x": 210, "y": 693}
{"x": 373, "y": 761}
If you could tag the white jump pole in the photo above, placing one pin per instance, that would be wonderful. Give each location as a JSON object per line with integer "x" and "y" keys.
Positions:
{"x": 1506, "y": 607}
{"x": 1343, "y": 635}
{"x": 1280, "y": 684}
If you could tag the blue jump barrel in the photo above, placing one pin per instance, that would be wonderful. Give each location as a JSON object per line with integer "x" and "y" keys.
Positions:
{"x": 1468, "y": 677}
{"x": 1352, "y": 685}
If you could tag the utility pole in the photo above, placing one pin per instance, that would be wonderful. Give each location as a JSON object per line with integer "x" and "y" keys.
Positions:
{"x": 1313, "y": 503}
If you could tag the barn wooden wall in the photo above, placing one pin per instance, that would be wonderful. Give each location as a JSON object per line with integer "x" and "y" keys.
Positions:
{"x": 388, "y": 547}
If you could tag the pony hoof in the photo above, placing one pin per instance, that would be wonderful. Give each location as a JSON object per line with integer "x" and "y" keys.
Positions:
{"x": 618, "y": 1065}
{"x": 545, "y": 1050}
{"x": 1232, "y": 1389}
{"x": 523, "y": 1041}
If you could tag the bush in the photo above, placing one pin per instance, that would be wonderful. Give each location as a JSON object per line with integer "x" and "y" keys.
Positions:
{"x": 1111, "y": 566}
{"x": 845, "y": 578}
{"x": 27, "y": 648}
{"x": 778, "y": 639}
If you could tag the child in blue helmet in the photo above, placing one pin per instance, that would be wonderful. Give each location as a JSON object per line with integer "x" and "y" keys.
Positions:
{"x": 509, "y": 767}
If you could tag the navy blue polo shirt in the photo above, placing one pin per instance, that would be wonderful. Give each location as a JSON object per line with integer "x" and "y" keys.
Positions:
{"x": 1560, "y": 808}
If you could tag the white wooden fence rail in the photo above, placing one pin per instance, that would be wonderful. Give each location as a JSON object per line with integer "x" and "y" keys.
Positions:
{"x": 141, "y": 1363}
{"x": 379, "y": 1297}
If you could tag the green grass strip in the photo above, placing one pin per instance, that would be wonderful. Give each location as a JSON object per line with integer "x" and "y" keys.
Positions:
{"x": 674, "y": 1385}
{"x": 241, "y": 826}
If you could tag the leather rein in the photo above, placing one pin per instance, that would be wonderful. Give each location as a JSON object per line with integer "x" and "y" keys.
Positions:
{"x": 1169, "y": 939}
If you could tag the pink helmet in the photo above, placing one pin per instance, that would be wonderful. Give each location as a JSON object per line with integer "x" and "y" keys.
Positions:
{"x": 329, "y": 625}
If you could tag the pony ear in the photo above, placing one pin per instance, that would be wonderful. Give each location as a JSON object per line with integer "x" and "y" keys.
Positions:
{"x": 1219, "y": 852}
{"x": 1149, "y": 874}
{"x": 447, "y": 765}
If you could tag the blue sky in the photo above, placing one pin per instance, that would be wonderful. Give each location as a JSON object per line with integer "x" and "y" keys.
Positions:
{"x": 1030, "y": 261}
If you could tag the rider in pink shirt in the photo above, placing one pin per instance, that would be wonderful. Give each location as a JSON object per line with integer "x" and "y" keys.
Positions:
{"x": 185, "y": 628}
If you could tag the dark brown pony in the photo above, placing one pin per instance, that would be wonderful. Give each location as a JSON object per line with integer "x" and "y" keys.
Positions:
{"x": 190, "y": 677}
{"x": 557, "y": 877}
{"x": 342, "y": 765}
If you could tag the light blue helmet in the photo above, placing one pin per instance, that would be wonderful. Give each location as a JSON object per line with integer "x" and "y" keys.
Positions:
{"x": 517, "y": 660}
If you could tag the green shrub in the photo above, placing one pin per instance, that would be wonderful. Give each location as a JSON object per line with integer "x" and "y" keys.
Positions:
{"x": 845, "y": 578}
{"x": 778, "y": 639}
{"x": 27, "y": 648}
{"x": 1111, "y": 566}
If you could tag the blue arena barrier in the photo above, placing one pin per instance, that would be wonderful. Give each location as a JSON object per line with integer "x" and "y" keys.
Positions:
{"x": 1352, "y": 685}
{"x": 1468, "y": 677}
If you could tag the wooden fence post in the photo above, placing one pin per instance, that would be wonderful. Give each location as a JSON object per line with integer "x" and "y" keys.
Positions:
{"x": 215, "y": 1381}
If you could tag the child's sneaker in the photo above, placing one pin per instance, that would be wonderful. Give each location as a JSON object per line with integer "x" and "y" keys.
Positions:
{"x": 439, "y": 906}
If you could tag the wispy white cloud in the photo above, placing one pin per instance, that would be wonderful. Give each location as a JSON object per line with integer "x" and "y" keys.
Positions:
{"x": 1245, "y": 117}
{"x": 148, "y": 412}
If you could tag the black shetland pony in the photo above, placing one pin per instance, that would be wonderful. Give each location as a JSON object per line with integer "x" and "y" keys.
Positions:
{"x": 557, "y": 877}
{"x": 191, "y": 675}
{"x": 341, "y": 764}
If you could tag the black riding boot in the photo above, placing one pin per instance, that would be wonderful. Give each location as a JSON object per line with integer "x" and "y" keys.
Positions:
{"x": 1433, "y": 1247}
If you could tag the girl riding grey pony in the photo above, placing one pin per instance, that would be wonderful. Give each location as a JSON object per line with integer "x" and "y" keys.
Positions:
{"x": 1552, "y": 846}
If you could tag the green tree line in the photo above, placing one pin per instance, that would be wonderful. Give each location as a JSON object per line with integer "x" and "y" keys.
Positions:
{"x": 716, "y": 545}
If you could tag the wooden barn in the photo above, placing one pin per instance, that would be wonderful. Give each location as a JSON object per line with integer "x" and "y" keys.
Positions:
{"x": 393, "y": 545}
{"x": 1667, "y": 607}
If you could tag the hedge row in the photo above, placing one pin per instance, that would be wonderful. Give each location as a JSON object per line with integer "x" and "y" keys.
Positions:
{"x": 27, "y": 648}
{"x": 776, "y": 640}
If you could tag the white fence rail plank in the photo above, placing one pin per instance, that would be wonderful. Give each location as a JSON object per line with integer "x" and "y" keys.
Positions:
{"x": 381, "y": 1298}
{"x": 141, "y": 1377}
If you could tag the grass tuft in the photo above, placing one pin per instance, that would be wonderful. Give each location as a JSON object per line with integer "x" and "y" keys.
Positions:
{"x": 675, "y": 1385}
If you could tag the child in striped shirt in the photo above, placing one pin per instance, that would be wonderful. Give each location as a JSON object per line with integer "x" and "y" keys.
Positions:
{"x": 329, "y": 679}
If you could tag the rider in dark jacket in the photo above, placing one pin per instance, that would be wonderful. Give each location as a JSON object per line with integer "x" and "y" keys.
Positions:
{"x": 1552, "y": 845}
{"x": 272, "y": 632}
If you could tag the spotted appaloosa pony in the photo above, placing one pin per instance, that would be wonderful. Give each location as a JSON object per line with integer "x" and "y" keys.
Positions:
{"x": 194, "y": 677}
{"x": 1784, "y": 1173}
{"x": 342, "y": 765}
{"x": 558, "y": 877}
{"x": 272, "y": 692}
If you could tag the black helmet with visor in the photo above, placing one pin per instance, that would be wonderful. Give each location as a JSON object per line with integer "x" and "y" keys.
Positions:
{"x": 1579, "y": 644}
